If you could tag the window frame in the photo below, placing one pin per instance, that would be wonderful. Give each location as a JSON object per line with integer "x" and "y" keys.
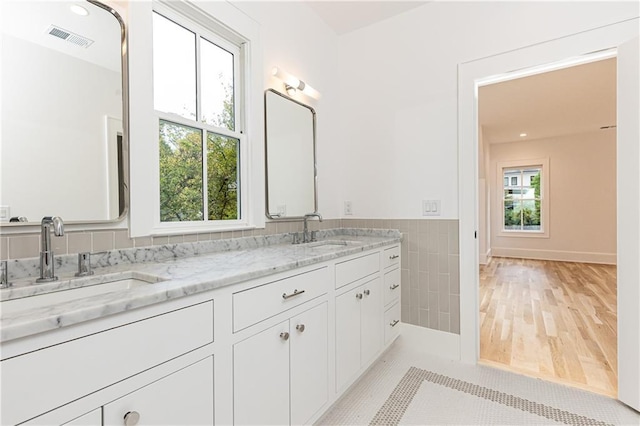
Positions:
{"x": 236, "y": 28}
{"x": 543, "y": 163}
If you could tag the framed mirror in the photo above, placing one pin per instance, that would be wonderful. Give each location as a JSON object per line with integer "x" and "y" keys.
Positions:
{"x": 64, "y": 141}
{"x": 290, "y": 135}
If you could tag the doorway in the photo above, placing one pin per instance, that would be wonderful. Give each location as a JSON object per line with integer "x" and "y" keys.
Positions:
{"x": 547, "y": 160}
{"x": 623, "y": 36}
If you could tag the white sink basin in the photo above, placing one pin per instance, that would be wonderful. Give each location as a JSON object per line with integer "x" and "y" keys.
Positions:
{"x": 73, "y": 289}
{"x": 329, "y": 245}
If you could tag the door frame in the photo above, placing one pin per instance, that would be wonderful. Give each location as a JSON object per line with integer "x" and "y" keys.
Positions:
{"x": 481, "y": 70}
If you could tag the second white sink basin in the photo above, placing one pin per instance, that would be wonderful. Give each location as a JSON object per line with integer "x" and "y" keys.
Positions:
{"x": 329, "y": 245}
{"x": 74, "y": 291}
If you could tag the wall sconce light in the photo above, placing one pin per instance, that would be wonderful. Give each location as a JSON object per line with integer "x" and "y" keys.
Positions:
{"x": 293, "y": 83}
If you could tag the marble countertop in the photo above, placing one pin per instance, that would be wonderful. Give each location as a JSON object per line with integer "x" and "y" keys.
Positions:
{"x": 183, "y": 269}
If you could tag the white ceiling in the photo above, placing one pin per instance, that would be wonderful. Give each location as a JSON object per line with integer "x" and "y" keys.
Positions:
{"x": 567, "y": 101}
{"x": 29, "y": 20}
{"x": 346, "y": 16}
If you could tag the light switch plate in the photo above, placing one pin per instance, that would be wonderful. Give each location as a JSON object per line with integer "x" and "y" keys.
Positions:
{"x": 348, "y": 208}
{"x": 430, "y": 207}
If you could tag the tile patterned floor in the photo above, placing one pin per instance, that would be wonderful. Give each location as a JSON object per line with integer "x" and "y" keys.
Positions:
{"x": 406, "y": 386}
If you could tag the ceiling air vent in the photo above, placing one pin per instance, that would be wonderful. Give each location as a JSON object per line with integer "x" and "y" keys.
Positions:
{"x": 68, "y": 36}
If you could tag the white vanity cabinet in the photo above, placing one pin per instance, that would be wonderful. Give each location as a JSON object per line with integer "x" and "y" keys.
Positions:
{"x": 286, "y": 347}
{"x": 358, "y": 329}
{"x": 50, "y": 379}
{"x": 280, "y": 374}
{"x": 181, "y": 398}
{"x": 392, "y": 289}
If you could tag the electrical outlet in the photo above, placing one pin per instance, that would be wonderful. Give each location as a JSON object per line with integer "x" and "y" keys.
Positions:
{"x": 348, "y": 208}
{"x": 4, "y": 213}
{"x": 430, "y": 207}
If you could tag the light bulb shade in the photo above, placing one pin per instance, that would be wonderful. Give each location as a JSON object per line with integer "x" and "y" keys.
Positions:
{"x": 294, "y": 82}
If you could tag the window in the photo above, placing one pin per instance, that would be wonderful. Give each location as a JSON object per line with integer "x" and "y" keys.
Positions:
{"x": 523, "y": 202}
{"x": 196, "y": 82}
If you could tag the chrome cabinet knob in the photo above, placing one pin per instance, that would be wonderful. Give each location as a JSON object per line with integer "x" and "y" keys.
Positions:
{"x": 393, "y": 257}
{"x": 358, "y": 296}
{"x": 367, "y": 292}
{"x": 284, "y": 335}
{"x": 300, "y": 328}
{"x": 131, "y": 418}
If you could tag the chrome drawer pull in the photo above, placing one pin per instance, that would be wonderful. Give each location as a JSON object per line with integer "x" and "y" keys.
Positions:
{"x": 358, "y": 296}
{"x": 395, "y": 256}
{"x": 394, "y": 323}
{"x": 393, "y": 287}
{"x": 367, "y": 292}
{"x": 284, "y": 335}
{"x": 286, "y": 296}
{"x": 300, "y": 328}
{"x": 131, "y": 418}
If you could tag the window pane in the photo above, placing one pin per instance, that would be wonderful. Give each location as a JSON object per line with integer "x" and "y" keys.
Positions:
{"x": 512, "y": 215}
{"x": 180, "y": 173}
{"x": 531, "y": 215}
{"x": 174, "y": 68}
{"x": 222, "y": 177}
{"x": 217, "y": 85}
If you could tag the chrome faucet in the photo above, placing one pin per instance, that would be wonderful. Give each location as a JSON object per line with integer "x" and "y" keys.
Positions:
{"x": 4, "y": 274}
{"x": 46, "y": 254}
{"x": 305, "y": 232}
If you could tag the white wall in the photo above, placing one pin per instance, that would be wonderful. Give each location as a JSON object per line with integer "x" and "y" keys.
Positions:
{"x": 399, "y": 93}
{"x": 296, "y": 39}
{"x": 582, "y": 198}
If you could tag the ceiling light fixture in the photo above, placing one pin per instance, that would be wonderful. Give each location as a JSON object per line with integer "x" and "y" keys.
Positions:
{"x": 293, "y": 83}
{"x": 79, "y": 10}
{"x": 523, "y": 135}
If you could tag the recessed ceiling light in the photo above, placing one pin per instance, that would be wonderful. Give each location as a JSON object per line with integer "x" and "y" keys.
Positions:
{"x": 523, "y": 135}
{"x": 79, "y": 10}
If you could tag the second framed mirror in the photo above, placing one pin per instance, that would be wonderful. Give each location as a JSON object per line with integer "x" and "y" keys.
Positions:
{"x": 290, "y": 136}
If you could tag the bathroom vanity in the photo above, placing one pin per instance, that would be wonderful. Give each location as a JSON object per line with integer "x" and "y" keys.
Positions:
{"x": 267, "y": 334}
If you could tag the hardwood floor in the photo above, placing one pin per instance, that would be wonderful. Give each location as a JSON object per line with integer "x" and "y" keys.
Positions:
{"x": 552, "y": 320}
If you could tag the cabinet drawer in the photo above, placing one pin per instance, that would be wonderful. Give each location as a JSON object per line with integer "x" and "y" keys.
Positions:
{"x": 355, "y": 269}
{"x": 259, "y": 303}
{"x": 391, "y": 323}
{"x": 71, "y": 370}
{"x": 181, "y": 398}
{"x": 391, "y": 256}
{"x": 391, "y": 286}
{"x": 93, "y": 418}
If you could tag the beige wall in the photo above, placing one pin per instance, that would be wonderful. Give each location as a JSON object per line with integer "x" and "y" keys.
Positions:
{"x": 582, "y": 198}
{"x": 484, "y": 225}
{"x": 430, "y": 270}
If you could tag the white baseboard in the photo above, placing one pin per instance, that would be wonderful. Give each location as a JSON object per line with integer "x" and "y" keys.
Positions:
{"x": 562, "y": 256}
{"x": 484, "y": 258}
{"x": 433, "y": 342}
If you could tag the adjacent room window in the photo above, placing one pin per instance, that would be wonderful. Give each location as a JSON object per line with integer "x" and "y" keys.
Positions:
{"x": 522, "y": 205}
{"x": 196, "y": 79}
